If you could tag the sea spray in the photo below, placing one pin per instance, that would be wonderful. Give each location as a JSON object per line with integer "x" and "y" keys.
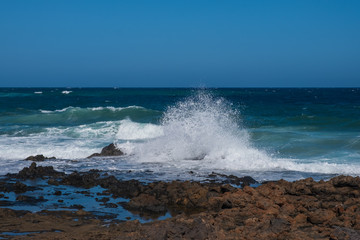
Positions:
{"x": 205, "y": 133}
{"x": 201, "y": 128}
{"x": 168, "y": 133}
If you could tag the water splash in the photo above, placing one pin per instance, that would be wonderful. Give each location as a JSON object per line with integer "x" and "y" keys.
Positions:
{"x": 202, "y": 128}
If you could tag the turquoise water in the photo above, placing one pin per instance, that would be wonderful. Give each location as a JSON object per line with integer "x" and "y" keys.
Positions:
{"x": 166, "y": 133}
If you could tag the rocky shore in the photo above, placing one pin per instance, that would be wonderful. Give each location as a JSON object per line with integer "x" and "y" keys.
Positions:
{"x": 304, "y": 209}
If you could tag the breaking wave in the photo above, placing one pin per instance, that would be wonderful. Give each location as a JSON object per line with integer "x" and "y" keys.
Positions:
{"x": 202, "y": 133}
{"x": 203, "y": 128}
{"x": 75, "y": 115}
{"x": 206, "y": 132}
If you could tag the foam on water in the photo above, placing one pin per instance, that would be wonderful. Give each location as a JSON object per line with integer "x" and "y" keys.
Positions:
{"x": 129, "y": 130}
{"x": 202, "y": 133}
{"x": 78, "y": 109}
{"x": 77, "y": 115}
{"x": 74, "y": 142}
{"x": 202, "y": 128}
{"x": 205, "y": 133}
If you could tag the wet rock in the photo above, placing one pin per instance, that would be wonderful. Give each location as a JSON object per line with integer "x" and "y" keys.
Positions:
{"x": 232, "y": 179}
{"x": 19, "y": 187}
{"x": 38, "y": 158}
{"x": 303, "y": 209}
{"x": 110, "y": 205}
{"x": 29, "y": 199}
{"x": 52, "y": 181}
{"x": 77, "y": 206}
{"x": 125, "y": 189}
{"x": 104, "y": 199}
{"x": 57, "y": 193}
{"x": 109, "y": 150}
{"x": 34, "y": 171}
{"x": 85, "y": 180}
{"x": 146, "y": 202}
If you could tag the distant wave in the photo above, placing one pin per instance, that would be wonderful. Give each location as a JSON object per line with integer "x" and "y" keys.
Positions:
{"x": 77, "y": 116}
{"x": 73, "y": 109}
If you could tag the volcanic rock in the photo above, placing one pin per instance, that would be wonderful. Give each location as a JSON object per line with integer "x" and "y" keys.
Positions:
{"x": 33, "y": 172}
{"x": 38, "y": 158}
{"x": 109, "y": 150}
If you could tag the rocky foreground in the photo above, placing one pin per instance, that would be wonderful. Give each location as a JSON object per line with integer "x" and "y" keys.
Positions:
{"x": 303, "y": 209}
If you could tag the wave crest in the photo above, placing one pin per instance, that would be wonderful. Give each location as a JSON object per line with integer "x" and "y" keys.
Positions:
{"x": 71, "y": 116}
{"x": 202, "y": 127}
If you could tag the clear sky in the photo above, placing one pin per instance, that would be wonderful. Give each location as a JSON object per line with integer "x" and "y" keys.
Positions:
{"x": 180, "y": 43}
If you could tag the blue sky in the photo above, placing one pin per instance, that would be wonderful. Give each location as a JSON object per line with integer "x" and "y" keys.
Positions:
{"x": 179, "y": 43}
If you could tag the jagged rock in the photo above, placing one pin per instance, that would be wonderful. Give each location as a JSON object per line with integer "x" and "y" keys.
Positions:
{"x": 33, "y": 172}
{"x": 232, "y": 179}
{"x": 20, "y": 187}
{"x": 85, "y": 180}
{"x": 38, "y": 158}
{"x": 146, "y": 202}
{"x": 107, "y": 151}
{"x": 303, "y": 209}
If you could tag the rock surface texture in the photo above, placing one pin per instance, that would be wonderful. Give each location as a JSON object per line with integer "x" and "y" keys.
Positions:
{"x": 108, "y": 151}
{"x": 302, "y": 210}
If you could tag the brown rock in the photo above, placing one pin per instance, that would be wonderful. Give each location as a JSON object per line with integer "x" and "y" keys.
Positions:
{"x": 346, "y": 181}
{"x": 321, "y": 216}
{"x": 146, "y": 202}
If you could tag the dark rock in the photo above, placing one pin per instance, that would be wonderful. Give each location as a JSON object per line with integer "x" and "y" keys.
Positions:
{"x": 30, "y": 199}
{"x": 226, "y": 204}
{"x": 77, "y": 206}
{"x": 33, "y": 172}
{"x": 232, "y": 179}
{"x": 125, "y": 189}
{"x": 22, "y": 198}
{"x": 85, "y": 180}
{"x": 52, "y": 181}
{"x": 19, "y": 187}
{"x": 110, "y": 205}
{"x": 38, "y": 158}
{"x": 104, "y": 199}
{"x": 109, "y": 150}
{"x": 146, "y": 202}
{"x": 57, "y": 193}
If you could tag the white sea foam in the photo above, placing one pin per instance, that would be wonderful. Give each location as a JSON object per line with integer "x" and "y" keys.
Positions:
{"x": 203, "y": 133}
{"x": 66, "y": 92}
{"x": 75, "y": 142}
{"x": 70, "y": 108}
{"x": 129, "y": 130}
{"x": 201, "y": 128}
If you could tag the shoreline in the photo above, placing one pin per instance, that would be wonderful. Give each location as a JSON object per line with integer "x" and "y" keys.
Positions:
{"x": 303, "y": 209}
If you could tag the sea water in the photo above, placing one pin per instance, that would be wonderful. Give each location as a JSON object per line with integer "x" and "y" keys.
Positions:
{"x": 169, "y": 134}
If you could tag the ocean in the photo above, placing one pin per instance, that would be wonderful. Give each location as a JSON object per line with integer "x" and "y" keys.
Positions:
{"x": 185, "y": 134}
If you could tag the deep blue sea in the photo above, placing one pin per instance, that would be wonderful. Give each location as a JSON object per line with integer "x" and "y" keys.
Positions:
{"x": 169, "y": 134}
